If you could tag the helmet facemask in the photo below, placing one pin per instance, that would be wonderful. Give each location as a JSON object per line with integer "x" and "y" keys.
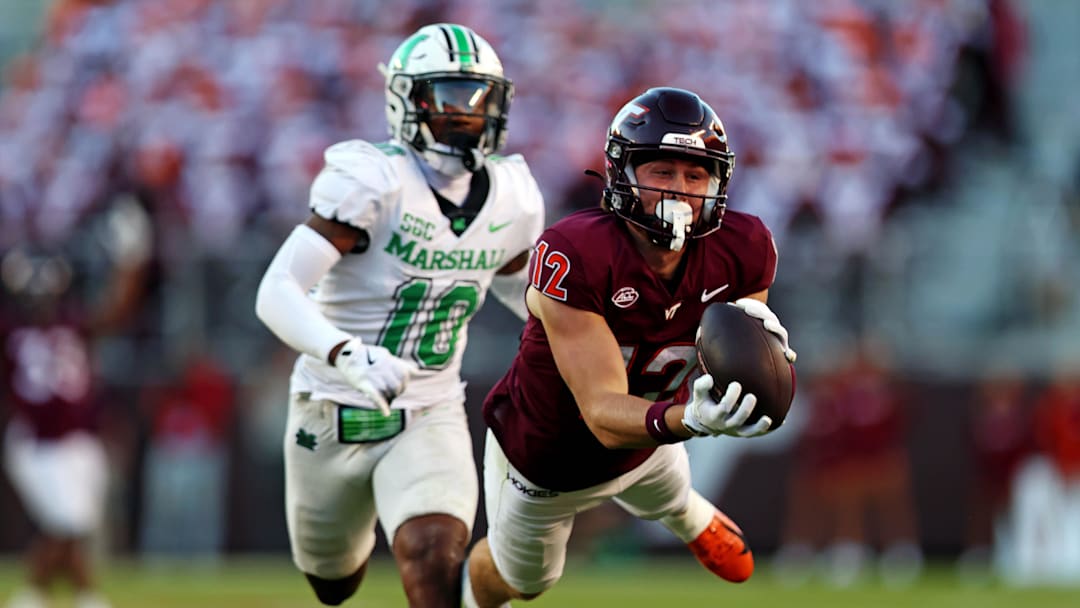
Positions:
{"x": 668, "y": 226}
{"x": 459, "y": 116}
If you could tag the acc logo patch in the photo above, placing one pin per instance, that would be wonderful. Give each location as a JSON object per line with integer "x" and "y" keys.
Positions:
{"x": 625, "y": 297}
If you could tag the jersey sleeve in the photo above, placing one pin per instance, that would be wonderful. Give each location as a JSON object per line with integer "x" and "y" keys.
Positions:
{"x": 760, "y": 269}
{"x": 560, "y": 272}
{"x": 526, "y": 195}
{"x": 356, "y": 183}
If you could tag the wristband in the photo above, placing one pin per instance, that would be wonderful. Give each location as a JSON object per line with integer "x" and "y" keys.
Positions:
{"x": 657, "y": 426}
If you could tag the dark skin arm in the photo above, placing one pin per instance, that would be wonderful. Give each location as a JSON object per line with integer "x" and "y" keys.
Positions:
{"x": 121, "y": 298}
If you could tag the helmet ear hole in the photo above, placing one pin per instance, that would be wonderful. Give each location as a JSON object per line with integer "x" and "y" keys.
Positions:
{"x": 401, "y": 84}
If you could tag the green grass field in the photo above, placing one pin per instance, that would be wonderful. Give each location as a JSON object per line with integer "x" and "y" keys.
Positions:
{"x": 272, "y": 583}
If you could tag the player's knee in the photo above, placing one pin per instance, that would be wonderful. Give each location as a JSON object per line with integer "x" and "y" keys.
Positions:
{"x": 334, "y": 592}
{"x": 430, "y": 544}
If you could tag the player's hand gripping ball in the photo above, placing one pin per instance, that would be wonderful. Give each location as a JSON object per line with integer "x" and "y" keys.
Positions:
{"x": 732, "y": 346}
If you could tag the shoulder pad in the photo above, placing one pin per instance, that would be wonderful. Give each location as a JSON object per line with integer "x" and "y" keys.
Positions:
{"x": 358, "y": 179}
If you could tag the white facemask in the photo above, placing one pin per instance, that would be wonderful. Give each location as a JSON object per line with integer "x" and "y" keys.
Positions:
{"x": 681, "y": 217}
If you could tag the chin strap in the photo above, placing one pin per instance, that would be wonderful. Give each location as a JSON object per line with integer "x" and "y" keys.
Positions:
{"x": 473, "y": 159}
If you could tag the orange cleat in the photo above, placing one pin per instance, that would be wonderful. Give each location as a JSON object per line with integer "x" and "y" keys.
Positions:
{"x": 722, "y": 549}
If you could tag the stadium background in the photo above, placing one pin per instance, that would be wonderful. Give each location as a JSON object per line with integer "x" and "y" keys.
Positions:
{"x": 917, "y": 161}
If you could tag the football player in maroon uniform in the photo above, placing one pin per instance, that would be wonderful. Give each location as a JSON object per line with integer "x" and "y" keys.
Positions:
{"x": 595, "y": 405}
{"x": 52, "y": 452}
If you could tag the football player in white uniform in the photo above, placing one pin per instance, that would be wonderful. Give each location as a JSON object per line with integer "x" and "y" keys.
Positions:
{"x": 375, "y": 291}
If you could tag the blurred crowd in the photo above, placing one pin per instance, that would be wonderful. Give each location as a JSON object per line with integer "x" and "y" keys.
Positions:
{"x": 216, "y": 113}
{"x": 212, "y": 117}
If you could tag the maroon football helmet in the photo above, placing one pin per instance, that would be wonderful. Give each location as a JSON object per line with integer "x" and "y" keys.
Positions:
{"x": 661, "y": 123}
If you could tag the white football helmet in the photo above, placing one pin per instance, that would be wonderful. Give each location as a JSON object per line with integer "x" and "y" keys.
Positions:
{"x": 447, "y": 98}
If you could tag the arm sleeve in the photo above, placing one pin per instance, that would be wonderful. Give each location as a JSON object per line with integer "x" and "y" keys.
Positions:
{"x": 510, "y": 290}
{"x": 282, "y": 303}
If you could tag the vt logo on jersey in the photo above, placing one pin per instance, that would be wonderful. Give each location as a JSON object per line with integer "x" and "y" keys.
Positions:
{"x": 406, "y": 249}
{"x": 670, "y": 312}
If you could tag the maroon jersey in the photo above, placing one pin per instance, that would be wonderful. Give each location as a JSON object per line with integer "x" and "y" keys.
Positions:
{"x": 588, "y": 261}
{"x": 1002, "y": 440}
{"x": 47, "y": 377}
{"x": 860, "y": 417}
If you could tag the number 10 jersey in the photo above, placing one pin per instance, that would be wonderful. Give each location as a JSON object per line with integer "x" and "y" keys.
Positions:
{"x": 426, "y": 269}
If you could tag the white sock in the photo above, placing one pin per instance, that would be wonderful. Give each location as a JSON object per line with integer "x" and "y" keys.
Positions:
{"x": 28, "y": 597}
{"x": 468, "y": 600}
{"x": 91, "y": 599}
{"x": 689, "y": 523}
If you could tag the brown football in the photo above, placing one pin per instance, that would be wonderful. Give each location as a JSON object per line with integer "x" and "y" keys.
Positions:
{"x": 732, "y": 345}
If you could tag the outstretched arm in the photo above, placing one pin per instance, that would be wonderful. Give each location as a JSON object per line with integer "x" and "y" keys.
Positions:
{"x": 591, "y": 364}
{"x": 129, "y": 244}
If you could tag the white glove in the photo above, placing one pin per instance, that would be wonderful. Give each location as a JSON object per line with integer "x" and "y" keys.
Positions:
{"x": 760, "y": 310}
{"x": 374, "y": 371}
{"x": 703, "y": 416}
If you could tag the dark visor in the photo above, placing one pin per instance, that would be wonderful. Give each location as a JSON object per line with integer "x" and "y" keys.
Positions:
{"x": 459, "y": 96}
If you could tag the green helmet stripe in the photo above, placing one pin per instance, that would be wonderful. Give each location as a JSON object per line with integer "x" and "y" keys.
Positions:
{"x": 402, "y": 57}
{"x": 465, "y": 50}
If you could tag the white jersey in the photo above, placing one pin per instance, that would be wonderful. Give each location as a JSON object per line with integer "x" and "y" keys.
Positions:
{"x": 418, "y": 283}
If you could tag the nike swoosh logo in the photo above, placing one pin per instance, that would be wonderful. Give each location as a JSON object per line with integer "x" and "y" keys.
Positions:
{"x": 708, "y": 295}
{"x": 370, "y": 361}
{"x": 498, "y": 227}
